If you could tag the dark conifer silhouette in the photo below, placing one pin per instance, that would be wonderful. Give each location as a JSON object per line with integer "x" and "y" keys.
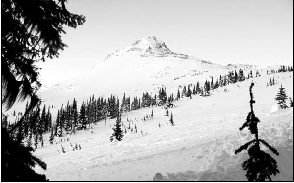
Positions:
{"x": 117, "y": 131}
{"x": 260, "y": 165}
{"x": 171, "y": 120}
{"x": 31, "y": 32}
{"x": 51, "y": 138}
{"x": 281, "y": 97}
{"x": 17, "y": 161}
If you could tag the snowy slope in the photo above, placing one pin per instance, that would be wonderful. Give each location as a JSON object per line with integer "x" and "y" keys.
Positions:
{"x": 199, "y": 147}
{"x": 144, "y": 66}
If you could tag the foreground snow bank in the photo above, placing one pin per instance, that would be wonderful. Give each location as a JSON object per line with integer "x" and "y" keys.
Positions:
{"x": 226, "y": 166}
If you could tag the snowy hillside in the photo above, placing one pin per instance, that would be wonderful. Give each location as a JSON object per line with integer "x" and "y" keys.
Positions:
{"x": 144, "y": 66}
{"x": 199, "y": 147}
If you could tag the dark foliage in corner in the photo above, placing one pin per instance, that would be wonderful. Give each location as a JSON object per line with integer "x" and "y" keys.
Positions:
{"x": 31, "y": 31}
{"x": 17, "y": 161}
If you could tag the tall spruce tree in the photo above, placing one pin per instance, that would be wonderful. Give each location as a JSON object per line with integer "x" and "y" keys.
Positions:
{"x": 178, "y": 95}
{"x": 82, "y": 116}
{"x": 117, "y": 130}
{"x": 48, "y": 120}
{"x": 75, "y": 115}
{"x": 281, "y": 97}
{"x": 260, "y": 165}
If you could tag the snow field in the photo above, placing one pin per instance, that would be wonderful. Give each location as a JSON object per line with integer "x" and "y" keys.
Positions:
{"x": 200, "y": 146}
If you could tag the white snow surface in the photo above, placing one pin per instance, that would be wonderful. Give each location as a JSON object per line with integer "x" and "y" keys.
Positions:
{"x": 200, "y": 146}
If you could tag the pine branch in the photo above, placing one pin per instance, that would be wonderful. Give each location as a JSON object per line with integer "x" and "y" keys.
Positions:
{"x": 244, "y": 147}
{"x": 269, "y": 146}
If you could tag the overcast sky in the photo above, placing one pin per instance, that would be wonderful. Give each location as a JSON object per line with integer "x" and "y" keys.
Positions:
{"x": 221, "y": 31}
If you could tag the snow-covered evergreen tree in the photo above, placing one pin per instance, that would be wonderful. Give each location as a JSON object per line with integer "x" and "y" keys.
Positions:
{"x": 117, "y": 131}
{"x": 281, "y": 97}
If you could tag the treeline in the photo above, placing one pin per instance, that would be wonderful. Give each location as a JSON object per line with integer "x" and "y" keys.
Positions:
{"x": 69, "y": 118}
{"x": 283, "y": 68}
{"x": 231, "y": 78}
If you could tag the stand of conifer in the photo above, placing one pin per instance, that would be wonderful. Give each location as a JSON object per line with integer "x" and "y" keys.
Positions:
{"x": 260, "y": 165}
{"x": 117, "y": 131}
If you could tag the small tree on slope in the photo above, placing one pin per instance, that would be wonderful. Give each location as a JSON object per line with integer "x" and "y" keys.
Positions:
{"x": 281, "y": 97}
{"x": 117, "y": 131}
{"x": 260, "y": 165}
{"x": 171, "y": 120}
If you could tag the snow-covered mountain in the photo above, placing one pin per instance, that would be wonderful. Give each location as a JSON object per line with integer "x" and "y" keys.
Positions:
{"x": 148, "y": 46}
{"x": 144, "y": 66}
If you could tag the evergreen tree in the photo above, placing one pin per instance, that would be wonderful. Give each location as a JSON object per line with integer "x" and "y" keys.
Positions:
{"x": 67, "y": 118}
{"x": 21, "y": 167}
{"x": 231, "y": 77}
{"x": 236, "y": 77}
{"x": 241, "y": 75}
{"x": 178, "y": 95}
{"x": 206, "y": 88}
{"x": 171, "y": 120}
{"x": 216, "y": 85}
{"x": 75, "y": 115}
{"x": 82, "y": 116}
{"x": 20, "y": 133}
{"x": 221, "y": 82}
{"x": 57, "y": 123}
{"x": 198, "y": 90}
{"x": 212, "y": 83}
{"x": 184, "y": 91}
{"x": 260, "y": 165}
{"x": 281, "y": 97}
{"x": 48, "y": 120}
{"x": 4, "y": 122}
{"x": 117, "y": 131}
{"x": 43, "y": 119}
{"x": 225, "y": 80}
{"x": 162, "y": 97}
{"x": 189, "y": 92}
{"x": 30, "y": 33}
{"x": 194, "y": 90}
{"x": 51, "y": 138}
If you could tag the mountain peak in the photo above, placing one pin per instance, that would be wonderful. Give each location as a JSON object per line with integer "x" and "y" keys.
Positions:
{"x": 147, "y": 46}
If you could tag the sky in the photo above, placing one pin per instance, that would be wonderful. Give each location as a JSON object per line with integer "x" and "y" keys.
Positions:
{"x": 258, "y": 32}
